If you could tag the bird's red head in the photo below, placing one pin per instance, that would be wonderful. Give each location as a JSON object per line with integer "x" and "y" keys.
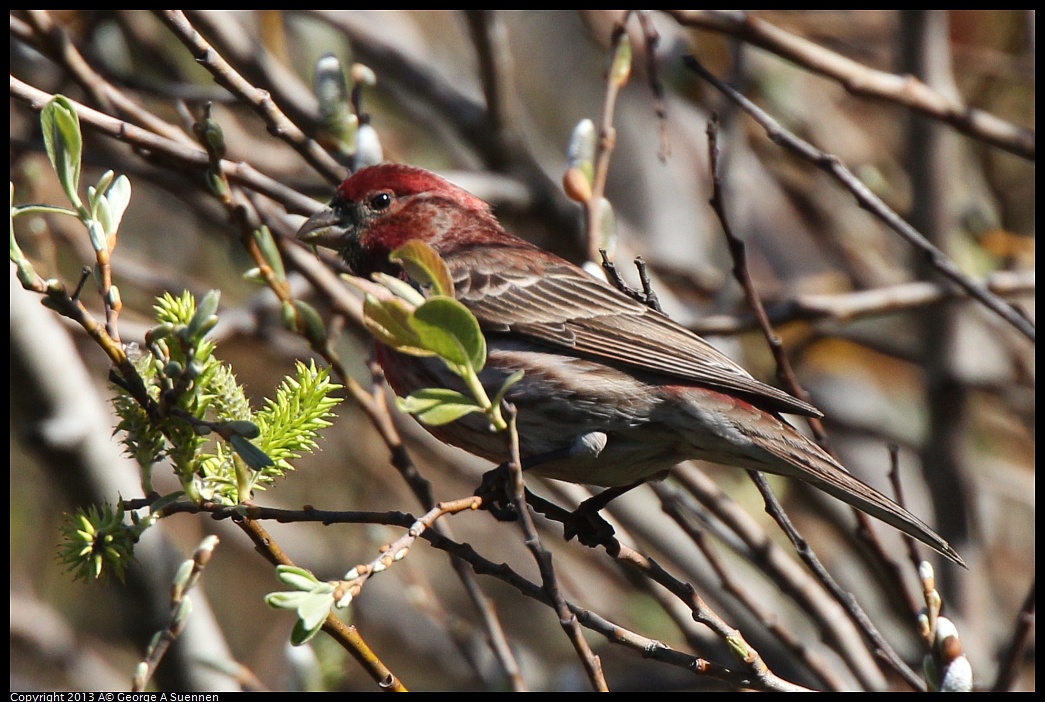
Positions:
{"x": 379, "y": 208}
{"x": 402, "y": 181}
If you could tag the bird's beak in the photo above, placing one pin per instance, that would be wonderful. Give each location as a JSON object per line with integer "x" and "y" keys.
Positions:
{"x": 325, "y": 228}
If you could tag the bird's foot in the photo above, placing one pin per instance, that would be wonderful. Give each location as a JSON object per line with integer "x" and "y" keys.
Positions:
{"x": 584, "y": 523}
{"x": 494, "y": 492}
{"x": 588, "y": 526}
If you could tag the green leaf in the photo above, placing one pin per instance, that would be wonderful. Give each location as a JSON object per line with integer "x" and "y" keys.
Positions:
{"x": 315, "y": 330}
{"x": 297, "y": 577}
{"x": 301, "y": 634}
{"x": 311, "y": 608}
{"x": 97, "y": 235}
{"x": 62, "y": 139}
{"x": 424, "y": 265}
{"x": 312, "y": 599}
{"x": 205, "y": 317}
{"x": 251, "y": 454}
{"x": 314, "y": 609}
{"x": 242, "y": 427}
{"x": 103, "y": 184}
{"x": 118, "y": 196}
{"x": 400, "y": 288}
{"x": 437, "y": 406}
{"x": 446, "y": 327}
{"x": 269, "y": 251}
{"x": 103, "y": 214}
{"x": 389, "y": 322}
{"x": 285, "y": 600}
{"x": 170, "y": 499}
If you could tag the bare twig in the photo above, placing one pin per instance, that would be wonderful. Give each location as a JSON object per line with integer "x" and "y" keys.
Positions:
{"x": 259, "y": 99}
{"x": 863, "y": 81}
{"x": 1023, "y": 631}
{"x": 882, "y": 648}
{"x": 784, "y": 571}
{"x": 179, "y": 613}
{"x": 230, "y": 35}
{"x": 787, "y": 376}
{"x": 652, "y": 38}
{"x": 495, "y": 64}
{"x": 54, "y": 41}
{"x": 703, "y": 614}
{"x": 861, "y": 304}
{"x": 734, "y": 586}
{"x": 912, "y": 546}
{"x": 345, "y": 634}
{"x": 785, "y": 373}
{"x": 607, "y": 138}
{"x": 871, "y": 202}
{"x": 181, "y": 153}
{"x": 613, "y": 631}
{"x": 926, "y": 53}
{"x": 550, "y": 581}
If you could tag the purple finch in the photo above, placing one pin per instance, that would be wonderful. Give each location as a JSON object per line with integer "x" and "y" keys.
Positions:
{"x": 613, "y": 392}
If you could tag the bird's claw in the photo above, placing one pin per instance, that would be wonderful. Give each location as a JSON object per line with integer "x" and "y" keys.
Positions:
{"x": 589, "y": 528}
{"x": 494, "y": 492}
{"x": 584, "y": 522}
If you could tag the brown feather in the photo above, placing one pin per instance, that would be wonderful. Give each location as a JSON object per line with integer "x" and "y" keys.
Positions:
{"x": 565, "y": 307}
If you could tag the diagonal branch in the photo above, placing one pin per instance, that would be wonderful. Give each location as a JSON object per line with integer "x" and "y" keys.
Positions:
{"x": 860, "y": 80}
{"x": 831, "y": 164}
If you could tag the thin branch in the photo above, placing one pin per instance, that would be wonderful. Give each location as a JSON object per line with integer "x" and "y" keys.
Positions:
{"x": 860, "y": 80}
{"x": 911, "y": 545}
{"x": 607, "y": 139}
{"x": 495, "y": 65}
{"x": 652, "y": 38}
{"x": 734, "y": 586}
{"x": 825, "y": 612}
{"x": 1012, "y": 660}
{"x": 869, "y": 201}
{"x": 180, "y": 609}
{"x": 862, "y": 304}
{"x": 180, "y": 152}
{"x": 787, "y": 376}
{"x": 703, "y": 614}
{"x": 882, "y": 648}
{"x": 345, "y": 634}
{"x": 260, "y": 100}
{"x": 738, "y": 252}
{"x": 925, "y": 52}
{"x": 53, "y": 41}
{"x": 234, "y": 41}
{"x": 549, "y": 580}
{"x": 613, "y": 632}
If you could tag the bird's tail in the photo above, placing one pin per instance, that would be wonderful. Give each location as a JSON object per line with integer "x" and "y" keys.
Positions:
{"x": 810, "y": 463}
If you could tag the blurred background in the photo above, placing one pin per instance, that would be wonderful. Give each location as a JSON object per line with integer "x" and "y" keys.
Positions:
{"x": 888, "y": 349}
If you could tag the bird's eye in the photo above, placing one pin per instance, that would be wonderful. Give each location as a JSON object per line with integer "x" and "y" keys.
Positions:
{"x": 380, "y": 201}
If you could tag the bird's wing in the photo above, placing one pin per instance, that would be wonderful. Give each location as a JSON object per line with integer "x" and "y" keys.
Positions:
{"x": 557, "y": 303}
